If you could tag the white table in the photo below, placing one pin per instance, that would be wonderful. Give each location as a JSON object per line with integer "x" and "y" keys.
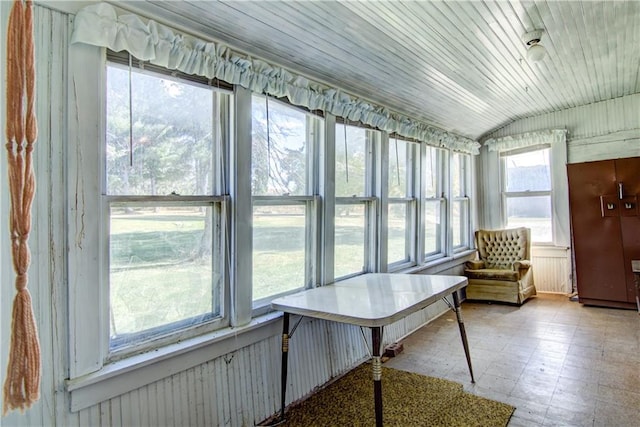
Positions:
{"x": 370, "y": 300}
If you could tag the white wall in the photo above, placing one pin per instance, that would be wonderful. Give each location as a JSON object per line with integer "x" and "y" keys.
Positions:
{"x": 603, "y": 130}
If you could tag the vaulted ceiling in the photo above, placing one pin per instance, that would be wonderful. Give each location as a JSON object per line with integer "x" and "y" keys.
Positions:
{"x": 458, "y": 65}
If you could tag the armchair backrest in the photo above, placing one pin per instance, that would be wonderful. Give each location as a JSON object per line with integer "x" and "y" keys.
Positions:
{"x": 499, "y": 249}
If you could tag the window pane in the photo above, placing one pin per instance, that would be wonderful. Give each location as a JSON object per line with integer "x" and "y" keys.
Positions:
{"x": 398, "y": 162}
{"x": 460, "y": 223}
{"x": 161, "y": 269}
{"x": 459, "y": 208}
{"x": 532, "y": 212}
{"x": 528, "y": 171}
{"x": 171, "y": 144}
{"x": 433, "y": 227}
{"x": 432, "y": 173}
{"x": 397, "y": 248}
{"x": 350, "y": 161}
{"x": 459, "y": 171}
{"x": 349, "y": 240}
{"x": 279, "y": 149}
{"x": 278, "y": 249}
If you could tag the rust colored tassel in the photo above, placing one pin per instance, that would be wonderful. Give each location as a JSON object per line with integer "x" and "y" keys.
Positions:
{"x": 22, "y": 385}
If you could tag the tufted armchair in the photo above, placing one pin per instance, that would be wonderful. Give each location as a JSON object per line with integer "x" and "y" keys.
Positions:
{"x": 503, "y": 271}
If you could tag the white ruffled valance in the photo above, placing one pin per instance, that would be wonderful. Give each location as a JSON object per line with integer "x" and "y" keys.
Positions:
{"x": 528, "y": 139}
{"x": 99, "y": 25}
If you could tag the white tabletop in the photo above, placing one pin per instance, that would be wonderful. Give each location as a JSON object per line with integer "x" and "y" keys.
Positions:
{"x": 371, "y": 300}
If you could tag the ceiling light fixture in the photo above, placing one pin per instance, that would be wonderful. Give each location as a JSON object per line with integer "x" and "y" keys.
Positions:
{"x": 535, "y": 51}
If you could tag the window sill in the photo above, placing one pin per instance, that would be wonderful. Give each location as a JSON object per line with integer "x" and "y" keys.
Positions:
{"x": 137, "y": 371}
{"x": 549, "y": 251}
{"x": 440, "y": 264}
{"x": 547, "y": 245}
{"x": 464, "y": 254}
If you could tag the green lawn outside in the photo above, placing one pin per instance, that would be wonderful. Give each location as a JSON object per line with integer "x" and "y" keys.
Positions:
{"x": 157, "y": 276}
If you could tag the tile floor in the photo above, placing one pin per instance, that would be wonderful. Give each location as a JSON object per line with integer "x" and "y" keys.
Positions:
{"x": 558, "y": 362}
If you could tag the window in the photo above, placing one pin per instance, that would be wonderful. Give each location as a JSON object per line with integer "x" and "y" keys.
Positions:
{"x": 526, "y": 190}
{"x": 460, "y": 210}
{"x": 165, "y": 205}
{"x": 434, "y": 203}
{"x": 354, "y": 201}
{"x": 283, "y": 182}
{"x": 402, "y": 204}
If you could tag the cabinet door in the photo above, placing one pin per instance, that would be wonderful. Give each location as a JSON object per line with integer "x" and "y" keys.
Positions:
{"x": 628, "y": 173}
{"x": 597, "y": 241}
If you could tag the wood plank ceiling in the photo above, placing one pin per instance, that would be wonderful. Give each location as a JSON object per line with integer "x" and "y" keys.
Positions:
{"x": 458, "y": 65}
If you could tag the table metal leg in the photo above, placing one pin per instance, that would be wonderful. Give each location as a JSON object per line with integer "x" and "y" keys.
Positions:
{"x": 377, "y": 374}
{"x": 463, "y": 333}
{"x": 285, "y": 359}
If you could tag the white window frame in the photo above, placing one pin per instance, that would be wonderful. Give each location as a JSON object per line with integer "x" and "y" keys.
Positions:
{"x": 412, "y": 177}
{"x": 219, "y": 208}
{"x": 491, "y": 172}
{"x": 524, "y": 194}
{"x": 92, "y": 377}
{"x": 465, "y": 199}
{"x": 441, "y": 197}
{"x": 370, "y": 201}
{"x": 219, "y": 211}
{"x": 310, "y": 200}
{"x": 89, "y": 216}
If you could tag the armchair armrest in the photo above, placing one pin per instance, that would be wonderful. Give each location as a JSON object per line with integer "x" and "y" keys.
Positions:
{"x": 474, "y": 265}
{"x": 524, "y": 264}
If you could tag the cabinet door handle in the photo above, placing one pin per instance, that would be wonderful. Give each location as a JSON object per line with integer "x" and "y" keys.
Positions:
{"x": 620, "y": 191}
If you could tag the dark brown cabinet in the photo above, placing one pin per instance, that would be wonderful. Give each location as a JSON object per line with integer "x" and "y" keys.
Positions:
{"x": 605, "y": 227}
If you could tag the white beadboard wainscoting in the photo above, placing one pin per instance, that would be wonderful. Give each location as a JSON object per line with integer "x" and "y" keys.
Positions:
{"x": 242, "y": 388}
{"x": 552, "y": 269}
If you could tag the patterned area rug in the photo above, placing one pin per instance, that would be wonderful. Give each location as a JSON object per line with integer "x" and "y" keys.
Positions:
{"x": 408, "y": 400}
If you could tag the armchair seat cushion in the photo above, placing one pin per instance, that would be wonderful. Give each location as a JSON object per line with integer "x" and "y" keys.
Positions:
{"x": 493, "y": 274}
